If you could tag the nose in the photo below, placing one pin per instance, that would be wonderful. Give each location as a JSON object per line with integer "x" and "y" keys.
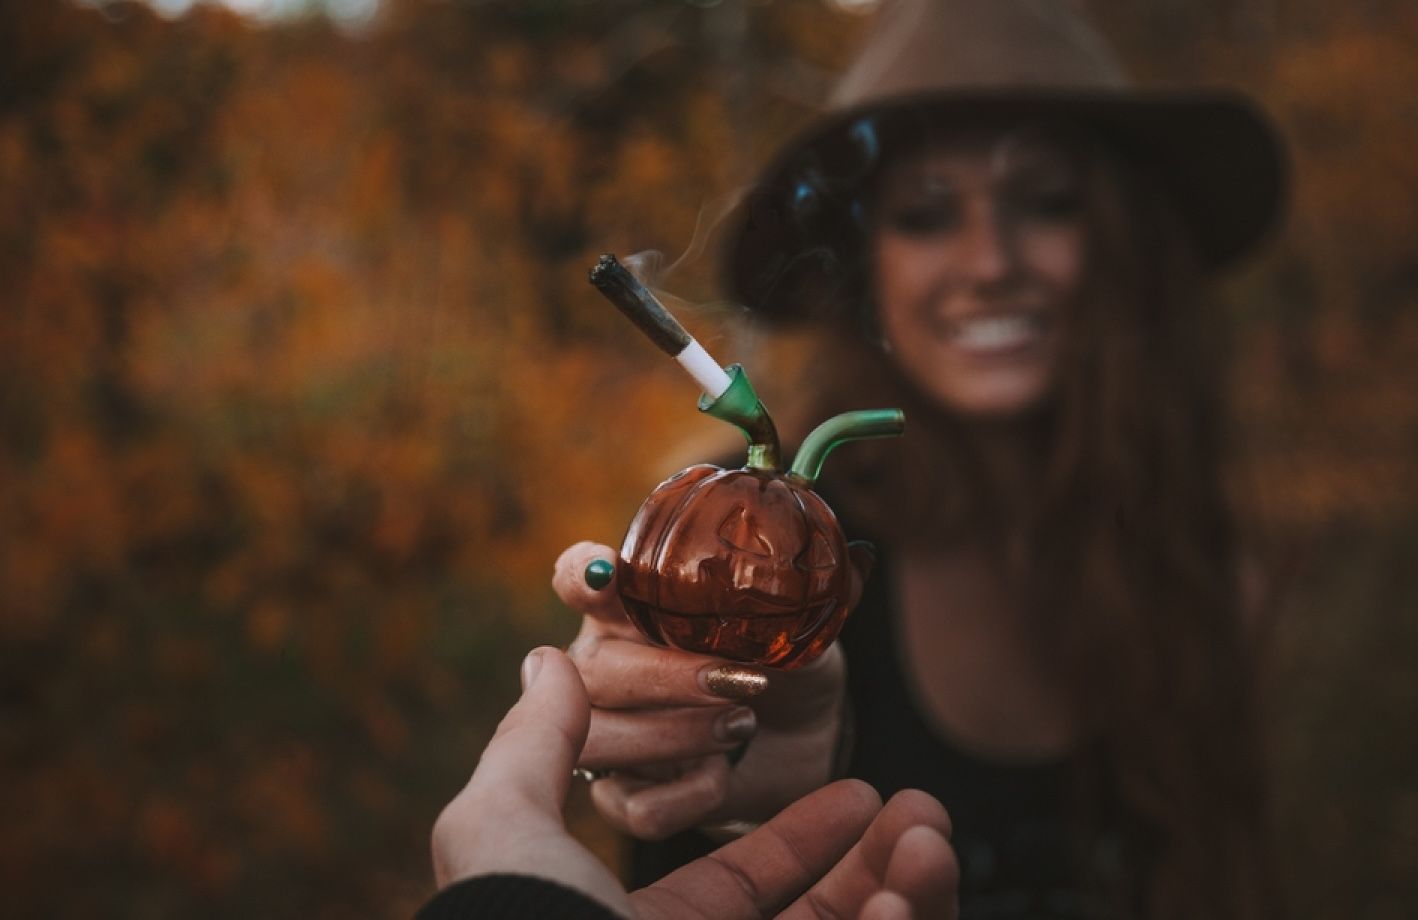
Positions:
{"x": 986, "y": 247}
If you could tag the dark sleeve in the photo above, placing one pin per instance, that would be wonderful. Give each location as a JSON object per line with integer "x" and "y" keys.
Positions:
{"x": 512, "y": 897}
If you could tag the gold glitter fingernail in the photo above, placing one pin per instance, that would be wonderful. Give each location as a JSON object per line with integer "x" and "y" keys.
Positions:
{"x": 734, "y": 683}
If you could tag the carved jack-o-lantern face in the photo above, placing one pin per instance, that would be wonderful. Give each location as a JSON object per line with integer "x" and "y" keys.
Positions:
{"x": 744, "y": 564}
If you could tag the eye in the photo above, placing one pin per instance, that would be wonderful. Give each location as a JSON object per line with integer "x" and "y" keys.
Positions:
{"x": 925, "y": 218}
{"x": 739, "y": 530}
{"x": 1049, "y": 192}
{"x": 819, "y": 553}
{"x": 1055, "y": 204}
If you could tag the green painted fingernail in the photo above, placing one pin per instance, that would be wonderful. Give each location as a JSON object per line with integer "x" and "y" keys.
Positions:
{"x": 599, "y": 573}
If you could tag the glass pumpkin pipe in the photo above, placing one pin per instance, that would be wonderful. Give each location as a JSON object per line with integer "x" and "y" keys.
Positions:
{"x": 747, "y": 564}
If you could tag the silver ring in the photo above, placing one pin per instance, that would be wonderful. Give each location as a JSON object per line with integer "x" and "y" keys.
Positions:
{"x": 591, "y": 776}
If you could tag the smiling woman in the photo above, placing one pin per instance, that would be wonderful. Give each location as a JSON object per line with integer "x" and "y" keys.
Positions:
{"x": 993, "y": 230}
{"x": 978, "y": 257}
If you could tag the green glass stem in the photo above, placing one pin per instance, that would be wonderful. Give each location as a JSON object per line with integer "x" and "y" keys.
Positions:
{"x": 849, "y": 426}
{"x": 739, "y": 405}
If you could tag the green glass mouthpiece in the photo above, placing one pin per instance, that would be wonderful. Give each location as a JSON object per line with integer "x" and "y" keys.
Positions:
{"x": 838, "y": 430}
{"x": 739, "y": 405}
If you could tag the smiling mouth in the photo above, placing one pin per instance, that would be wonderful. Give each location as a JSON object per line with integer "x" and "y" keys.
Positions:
{"x": 996, "y": 333}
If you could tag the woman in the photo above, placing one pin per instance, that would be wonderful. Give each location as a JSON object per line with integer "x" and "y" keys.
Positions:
{"x": 999, "y": 235}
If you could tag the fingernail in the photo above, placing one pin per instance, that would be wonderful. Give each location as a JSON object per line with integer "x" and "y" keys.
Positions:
{"x": 531, "y": 667}
{"x": 599, "y": 573}
{"x": 733, "y": 682}
{"x": 737, "y": 724}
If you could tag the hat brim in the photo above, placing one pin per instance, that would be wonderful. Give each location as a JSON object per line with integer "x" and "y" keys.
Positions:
{"x": 1217, "y": 155}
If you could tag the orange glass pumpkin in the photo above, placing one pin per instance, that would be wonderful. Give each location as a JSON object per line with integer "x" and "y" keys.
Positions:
{"x": 748, "y": 564}
{"x": 744, "y": 564}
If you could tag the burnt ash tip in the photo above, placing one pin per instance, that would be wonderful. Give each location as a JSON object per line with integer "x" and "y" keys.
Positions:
{"x": 604, "y": 268}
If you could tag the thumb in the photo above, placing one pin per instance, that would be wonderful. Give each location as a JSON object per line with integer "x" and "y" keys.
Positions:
{"x": 540, "y": 739}
{"x": 508, "y": 817}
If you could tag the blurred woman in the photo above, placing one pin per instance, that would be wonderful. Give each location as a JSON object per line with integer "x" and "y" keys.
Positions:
{"x": 992, "y": 229}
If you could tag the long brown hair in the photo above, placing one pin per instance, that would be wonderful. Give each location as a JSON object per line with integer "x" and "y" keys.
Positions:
{"x": 1129, "y": 548}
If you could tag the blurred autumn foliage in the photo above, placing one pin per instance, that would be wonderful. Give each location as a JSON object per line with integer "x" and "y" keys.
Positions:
{"x": 303, "y": 390}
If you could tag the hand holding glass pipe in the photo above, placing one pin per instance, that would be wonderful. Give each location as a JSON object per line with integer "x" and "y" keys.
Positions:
{"x": 837, "y": 852}
{"x": 663, "y": 719}
{"x": 747, "y": 565}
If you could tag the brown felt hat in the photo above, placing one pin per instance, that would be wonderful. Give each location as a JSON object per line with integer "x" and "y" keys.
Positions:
{"x": 795, "y": 238}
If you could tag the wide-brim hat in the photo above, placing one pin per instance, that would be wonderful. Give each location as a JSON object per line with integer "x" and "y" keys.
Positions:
{"x": 794, "y": 241}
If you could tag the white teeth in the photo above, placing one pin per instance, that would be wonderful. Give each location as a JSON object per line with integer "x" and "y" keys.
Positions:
{"x": 988, "y": 333}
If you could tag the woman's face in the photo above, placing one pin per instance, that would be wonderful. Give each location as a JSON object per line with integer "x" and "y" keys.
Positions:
{"x": 979, "y": 255}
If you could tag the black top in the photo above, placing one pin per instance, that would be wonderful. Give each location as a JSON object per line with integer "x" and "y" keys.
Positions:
{"x": 512, "y": 897}
{"x": 1016, "y": 834}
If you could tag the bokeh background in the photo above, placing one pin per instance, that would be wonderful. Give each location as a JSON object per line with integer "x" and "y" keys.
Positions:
{"x": 302, "y": 390}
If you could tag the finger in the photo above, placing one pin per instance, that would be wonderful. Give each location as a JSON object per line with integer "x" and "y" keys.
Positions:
{"x": 622, "y": 674}
{"x": 625, "y": 738}
{"x": 538, "y": 741}
{"x": 569, "y": 581}
{"x": 652, "y": 810}
{"x": 757, "y": 874}
{"x": 889, "y": 905}
{"x": 521, "y": 780}
{"x": 864, "y": 870}
{"x": 906, "y": 809}
{"x": 817, "y": 830}
{"x": 924, "y": 871}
